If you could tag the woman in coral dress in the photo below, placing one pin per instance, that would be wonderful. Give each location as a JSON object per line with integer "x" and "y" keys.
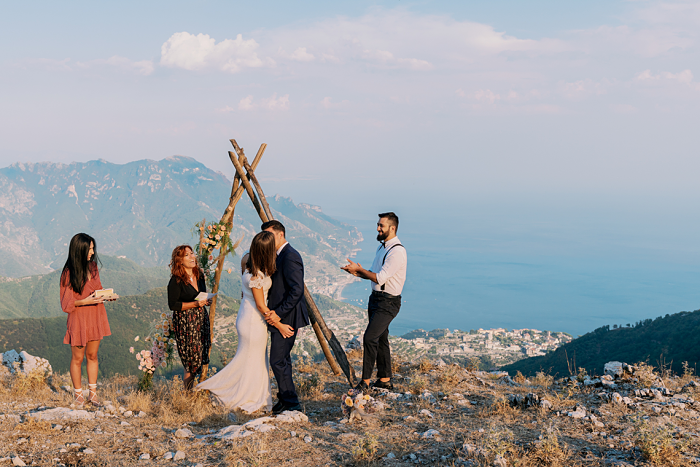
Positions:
{"x": 87, "y": 317}
{"x": 244, "y": 384}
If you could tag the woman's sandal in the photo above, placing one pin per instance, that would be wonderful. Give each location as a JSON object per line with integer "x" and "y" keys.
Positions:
{"x": 78, "y": 399}
{"x": 92, "y": 398}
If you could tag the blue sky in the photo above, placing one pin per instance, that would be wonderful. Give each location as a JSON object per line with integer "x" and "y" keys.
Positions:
{"x": 553, "y": 144}
{"x": 544, "y": 99}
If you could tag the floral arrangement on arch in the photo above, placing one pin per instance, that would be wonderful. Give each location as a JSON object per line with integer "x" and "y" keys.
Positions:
{"x": 213, "y": 236}
{"x": 162, "y": 351}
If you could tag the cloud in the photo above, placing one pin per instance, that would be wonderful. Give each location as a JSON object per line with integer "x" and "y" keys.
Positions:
{"x": 683, "y": 77}
{"x": 246, "y": 103}
{"x": 327, "y": 103}
{"x": 271, "y": 103}
{"x": 301, "y": 55}
{"x": 142, "y": 67}
{"x": 200, "y": 52}
{"x": 387, "y": 59}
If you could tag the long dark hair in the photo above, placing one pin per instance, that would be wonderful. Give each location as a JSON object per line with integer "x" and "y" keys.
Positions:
{"x": 262, "y": 254}
{"x": 78, "y": 267}
{"x": 176, "y": 267}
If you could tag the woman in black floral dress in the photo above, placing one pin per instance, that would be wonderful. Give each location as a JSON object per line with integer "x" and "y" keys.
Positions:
{"x": 190, "y": 318}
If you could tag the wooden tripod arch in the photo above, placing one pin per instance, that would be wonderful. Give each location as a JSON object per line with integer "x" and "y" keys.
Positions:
{"x": 245, "y": 180}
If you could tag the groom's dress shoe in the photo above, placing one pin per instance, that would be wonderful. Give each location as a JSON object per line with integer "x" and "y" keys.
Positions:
{"x": 281, "y": 407}
{"x": 362, "y": 386}
{"x": 278, "y": 407}
{"x": 383, "y": 385}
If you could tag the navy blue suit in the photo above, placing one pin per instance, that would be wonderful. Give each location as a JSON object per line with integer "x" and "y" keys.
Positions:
{"x": 286, "y": 298}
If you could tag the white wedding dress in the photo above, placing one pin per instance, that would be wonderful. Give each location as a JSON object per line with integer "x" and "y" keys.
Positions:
{"x": 245, "y": 382}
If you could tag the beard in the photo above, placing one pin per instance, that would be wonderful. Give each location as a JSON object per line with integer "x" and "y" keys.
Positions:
{"x": 382, "y": 237}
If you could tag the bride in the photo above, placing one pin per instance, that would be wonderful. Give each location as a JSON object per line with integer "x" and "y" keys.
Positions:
{"x": 244, "y": 384}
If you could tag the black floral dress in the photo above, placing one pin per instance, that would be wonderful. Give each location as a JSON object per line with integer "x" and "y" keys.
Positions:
{"x": 191, "y": 327}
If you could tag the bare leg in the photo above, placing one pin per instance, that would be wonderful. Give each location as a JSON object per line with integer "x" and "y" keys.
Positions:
{"x": 76, "y": 363}
{"x": 188, "y": 379}
{"x": 92, "y": 364}
{"x": 92, "y": 369}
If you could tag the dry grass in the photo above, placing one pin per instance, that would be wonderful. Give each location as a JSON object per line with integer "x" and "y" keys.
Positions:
{"x": 657, "y": 444}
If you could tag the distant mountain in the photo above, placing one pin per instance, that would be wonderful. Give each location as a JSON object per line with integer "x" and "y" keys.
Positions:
{"x": 667, "y": 341}
{"x": 38, "y": 296}
{"x": 141, "y": 210}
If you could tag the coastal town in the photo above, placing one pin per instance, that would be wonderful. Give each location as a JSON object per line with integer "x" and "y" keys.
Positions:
{"x": 488, "y": 348}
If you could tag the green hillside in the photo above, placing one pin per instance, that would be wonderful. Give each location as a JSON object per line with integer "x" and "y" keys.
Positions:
{"x": 669, "y": 340}
{"x": 37, "y": 296}
{"x": 129, "y": 317}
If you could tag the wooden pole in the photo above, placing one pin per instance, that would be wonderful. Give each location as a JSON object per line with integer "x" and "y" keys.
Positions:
{"x": 227, "y": 217}
{"x": 318, "y": 323}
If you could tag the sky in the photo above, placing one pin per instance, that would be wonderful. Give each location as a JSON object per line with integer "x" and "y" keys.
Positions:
{"x": 495, "y": 99}
{"x": 540, "y": 129}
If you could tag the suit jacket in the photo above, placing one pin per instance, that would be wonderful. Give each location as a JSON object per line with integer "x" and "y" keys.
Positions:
{"x": 286, "y": 295}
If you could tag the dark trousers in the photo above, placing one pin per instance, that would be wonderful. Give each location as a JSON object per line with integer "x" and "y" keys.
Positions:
{"x": 382, "y": 309}
{"x": 281, "y": 363}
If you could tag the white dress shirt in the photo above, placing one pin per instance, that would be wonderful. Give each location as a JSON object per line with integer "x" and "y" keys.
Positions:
{"x": 393, "y": 273}
{"x": 282, "y": 248}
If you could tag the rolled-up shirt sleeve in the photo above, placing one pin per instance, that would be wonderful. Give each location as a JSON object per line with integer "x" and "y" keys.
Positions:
{"x": 395, "y": 260}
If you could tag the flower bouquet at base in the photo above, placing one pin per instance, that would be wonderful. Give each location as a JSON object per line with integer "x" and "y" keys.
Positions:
{"x": 160, "y": 355}
{"x": 359, "y": 406}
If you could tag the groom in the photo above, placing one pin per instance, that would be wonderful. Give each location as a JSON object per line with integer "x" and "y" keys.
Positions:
{"x": 286, "y": 300}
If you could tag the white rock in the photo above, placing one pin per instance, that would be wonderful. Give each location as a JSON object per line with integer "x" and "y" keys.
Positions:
{"x": 10, "y": 357}
{"x": 143, "y": 414}
{"x": 168, "y": 455}
{"x": 123, "y": 423}
{"x": 499, "y": 461}
{"x": 308, "y": 439}
{"x": 292, "y": 434}
{"x": 293, "y": 416}
{"x": 16, "y": 460}
{"x": 30, "y": 364}
{"x": 183, "y": 433}
{"x": 128, "y": 413}
{"x": 616, "y": 398}
{"x": 179, "y": 455}
{"x": 144, "y": 457}
{"x": 63, "y": 413}
{"x": 613, "y": 369}
{"x": 391, "y": 455}
{"x": 88, "y": 451}
{"x": 430, "y": 434}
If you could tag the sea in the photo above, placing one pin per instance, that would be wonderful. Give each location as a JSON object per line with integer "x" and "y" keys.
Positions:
{"x": 570, "y": 275}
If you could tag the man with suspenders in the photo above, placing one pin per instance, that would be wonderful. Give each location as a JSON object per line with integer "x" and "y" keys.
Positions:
{"x": 388, "y": 275}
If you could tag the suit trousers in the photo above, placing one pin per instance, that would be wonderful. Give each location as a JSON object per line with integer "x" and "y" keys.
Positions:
{"x": 382, "y": 309}
{"x": 281, "y": 363}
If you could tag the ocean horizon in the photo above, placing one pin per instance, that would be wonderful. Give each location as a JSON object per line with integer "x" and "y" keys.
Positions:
{"x": 516, "y": 279}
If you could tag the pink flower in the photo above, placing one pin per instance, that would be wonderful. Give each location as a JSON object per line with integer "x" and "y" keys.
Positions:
{"x": 136, "y": 339}
{"x": 131, "y": 349}
{"x": 229, "y": 270}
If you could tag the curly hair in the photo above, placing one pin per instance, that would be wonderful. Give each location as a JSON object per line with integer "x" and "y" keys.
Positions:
{"x": 177, "y": 269}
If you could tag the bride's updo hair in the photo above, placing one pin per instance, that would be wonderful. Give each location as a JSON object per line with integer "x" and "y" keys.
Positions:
{"x": 262, "y": 254}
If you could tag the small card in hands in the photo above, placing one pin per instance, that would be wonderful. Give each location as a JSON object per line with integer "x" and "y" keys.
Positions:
{"x": 204, "y": 296}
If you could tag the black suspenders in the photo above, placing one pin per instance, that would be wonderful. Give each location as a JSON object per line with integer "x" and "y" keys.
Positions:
{"x": 383, "y": 260}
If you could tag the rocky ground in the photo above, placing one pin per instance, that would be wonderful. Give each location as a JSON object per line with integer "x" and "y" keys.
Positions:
{"x": 438, "y": 414}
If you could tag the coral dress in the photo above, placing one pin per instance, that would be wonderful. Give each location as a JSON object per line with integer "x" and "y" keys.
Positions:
{"x": 245, "y": 382}
{"x": 85, "y": 323}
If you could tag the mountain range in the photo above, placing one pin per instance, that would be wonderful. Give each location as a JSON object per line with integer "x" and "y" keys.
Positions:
{"x": 141, "y": 210}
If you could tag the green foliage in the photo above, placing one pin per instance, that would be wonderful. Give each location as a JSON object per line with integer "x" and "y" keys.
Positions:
{"x": 673, "y": 338}
{"x": 128, "y": 317}
{"x": 38, "y": 296}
